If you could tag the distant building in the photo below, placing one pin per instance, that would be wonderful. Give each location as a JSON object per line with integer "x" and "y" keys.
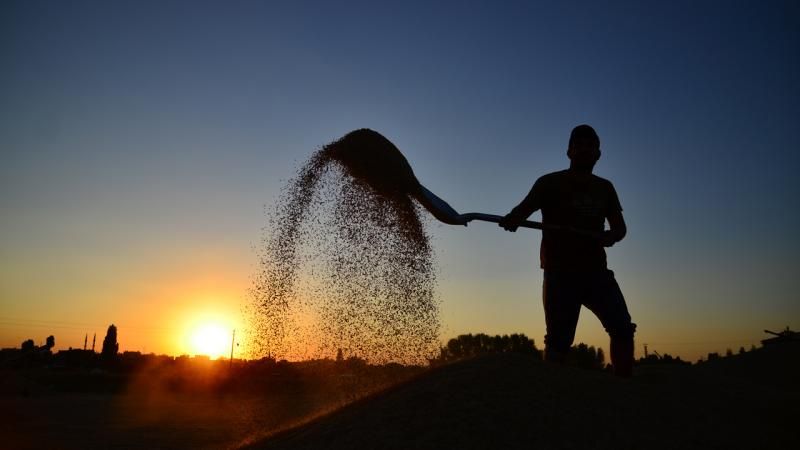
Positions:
{"x": 74, "y": 357}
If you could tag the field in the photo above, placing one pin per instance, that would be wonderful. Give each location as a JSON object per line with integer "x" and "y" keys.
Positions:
{"x": 500, "y": 401}
{"x": 508, "y": 401}
{"x": 199, "y": 405}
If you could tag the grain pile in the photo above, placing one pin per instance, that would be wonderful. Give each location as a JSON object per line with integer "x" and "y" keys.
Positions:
{"x": 346, "y": 263}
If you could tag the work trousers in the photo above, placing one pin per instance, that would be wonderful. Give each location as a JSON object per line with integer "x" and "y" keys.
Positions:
{"x": 565, "y": 293}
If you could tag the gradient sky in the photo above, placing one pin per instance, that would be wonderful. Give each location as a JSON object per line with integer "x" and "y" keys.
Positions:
{"x": 141, "y": 142}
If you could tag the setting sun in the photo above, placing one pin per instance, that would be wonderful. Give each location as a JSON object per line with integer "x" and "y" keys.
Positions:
{"x": 210, "y": 339}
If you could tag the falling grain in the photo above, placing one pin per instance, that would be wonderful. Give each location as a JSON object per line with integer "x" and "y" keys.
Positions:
{"x": 346, "y": 263}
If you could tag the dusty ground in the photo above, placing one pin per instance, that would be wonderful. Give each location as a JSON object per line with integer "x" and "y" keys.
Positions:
{"x": 505, "y": 401}
{"x": 146, "y": 413}
{"x": 510, "y": 401}
{"x": 100, "y": 421}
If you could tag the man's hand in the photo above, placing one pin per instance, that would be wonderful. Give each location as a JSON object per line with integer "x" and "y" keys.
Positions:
{"x": 509, "y": 223}
{"x": 617, "y": 230}
{"x": 608, "y": 238}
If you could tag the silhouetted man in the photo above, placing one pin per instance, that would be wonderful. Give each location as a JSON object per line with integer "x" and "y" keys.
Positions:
{"x": 575, "y": 269}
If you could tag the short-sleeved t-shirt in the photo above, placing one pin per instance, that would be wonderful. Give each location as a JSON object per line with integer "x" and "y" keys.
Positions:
{"x": 580, "y": 201}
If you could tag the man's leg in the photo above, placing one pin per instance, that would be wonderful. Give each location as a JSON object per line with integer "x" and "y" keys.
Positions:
{"x": 562, "y": 307}
{"x": 608, "y": 304}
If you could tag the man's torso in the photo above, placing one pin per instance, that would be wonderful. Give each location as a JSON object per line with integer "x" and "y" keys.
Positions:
{"x": 580, "y": 201}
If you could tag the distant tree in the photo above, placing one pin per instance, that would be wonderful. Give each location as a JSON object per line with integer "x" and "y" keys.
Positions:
{"x": 655, "y": 358}
{"x": 28, "y": 346}
{"x": 752, "y": 347}
{"x": 586, "y": 356}
{"x": 742, "y": 351}
{"x": 50, "y": 342}
{"x": 354, "y": 362}
{"x": 110, "y": 345}
{"x": 472, "y": 345}
{"x": 728, "y": 353}
{"x": 339, "y": 355}
{"x": 712, "y": 356}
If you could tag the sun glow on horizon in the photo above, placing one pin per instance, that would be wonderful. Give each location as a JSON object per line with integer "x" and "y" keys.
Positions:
{"x": 210, "y": 339}
{"x": 208, "y": 319}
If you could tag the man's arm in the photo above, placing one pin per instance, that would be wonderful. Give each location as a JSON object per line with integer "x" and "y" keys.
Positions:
{"x": 616, "y": 222}
{"x": 617, "y": 229}
{"x": 528, "y": 206}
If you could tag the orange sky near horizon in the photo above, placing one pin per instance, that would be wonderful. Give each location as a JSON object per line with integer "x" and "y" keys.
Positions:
{"x": 157, "y": 308}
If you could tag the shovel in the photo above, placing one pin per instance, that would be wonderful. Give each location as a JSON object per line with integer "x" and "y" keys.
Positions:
{"x": 370, "y": 157}
{"x": 445, "y": 213}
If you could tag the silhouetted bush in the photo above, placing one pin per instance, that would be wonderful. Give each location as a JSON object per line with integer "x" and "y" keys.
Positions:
{"x": 28, "y": 346}
{"x": 586, "y": 356}
{"x": 472, "y": 345}
{"x": 50, "y": 342}
{"x": 655, "y": 358}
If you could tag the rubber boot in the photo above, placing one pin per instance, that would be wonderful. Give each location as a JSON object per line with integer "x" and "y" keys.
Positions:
{"x": 622, "y": 357}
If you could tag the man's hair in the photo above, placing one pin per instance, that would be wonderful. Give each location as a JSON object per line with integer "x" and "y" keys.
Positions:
{"x": 584, "y": 132}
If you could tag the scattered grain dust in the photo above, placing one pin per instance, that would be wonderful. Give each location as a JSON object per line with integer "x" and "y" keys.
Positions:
{"x": 345, "y": 265}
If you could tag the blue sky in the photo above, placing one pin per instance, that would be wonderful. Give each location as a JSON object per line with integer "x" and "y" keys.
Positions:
{"x": 141, "y": 141}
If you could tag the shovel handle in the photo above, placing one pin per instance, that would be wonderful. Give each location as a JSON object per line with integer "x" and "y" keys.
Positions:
{"x": 469, "y": 217}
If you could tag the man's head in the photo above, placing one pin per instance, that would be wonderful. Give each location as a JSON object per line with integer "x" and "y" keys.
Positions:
{"x": 584, "y": 147}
